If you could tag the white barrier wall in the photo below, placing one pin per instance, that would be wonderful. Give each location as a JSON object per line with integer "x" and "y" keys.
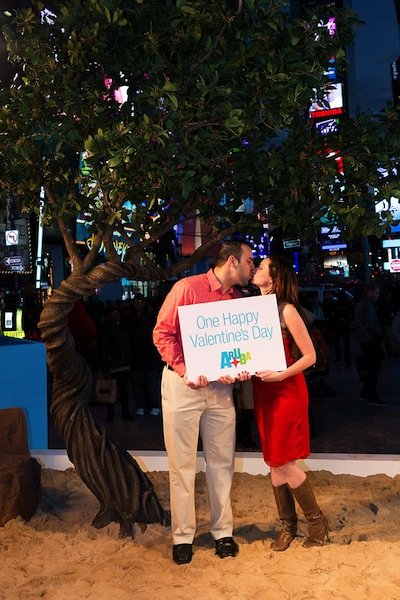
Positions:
{"x": 360, "y": 465}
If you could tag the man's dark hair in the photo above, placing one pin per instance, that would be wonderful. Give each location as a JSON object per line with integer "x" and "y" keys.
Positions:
{"x": 230, "y": 248}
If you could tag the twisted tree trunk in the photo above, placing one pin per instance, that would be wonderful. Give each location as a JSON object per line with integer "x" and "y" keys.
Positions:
{"x": 125, "y": 493}
{"x": 123, "y": 490}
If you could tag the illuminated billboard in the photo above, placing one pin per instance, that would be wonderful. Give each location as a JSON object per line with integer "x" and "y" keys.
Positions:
{"x": 84, "y": 235}
{"x": 330, "y": 235}
{"x": 394, "y": 207}
{"x": 330, "y": 106}
{"x": 327, "y": 126}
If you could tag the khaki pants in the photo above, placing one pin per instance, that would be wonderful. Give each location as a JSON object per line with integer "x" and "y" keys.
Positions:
{"x": 185, "y": 412}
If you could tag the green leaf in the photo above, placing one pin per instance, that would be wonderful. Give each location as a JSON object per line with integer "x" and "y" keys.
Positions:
{"x": 174, "y": 100}
{"x": 294, "y": 38}
{"x": 233, "y": 123}
{"x": 188, "y": 175}
{"x": 114, "y": 162}
{"x": 188, "y": 9}
{"x": 170, "y": 87}
{"x": 197, "y": 32}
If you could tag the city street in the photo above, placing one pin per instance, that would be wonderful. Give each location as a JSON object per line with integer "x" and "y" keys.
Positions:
{"x": 345, "y": 422}
{"x": 341, "y": 421}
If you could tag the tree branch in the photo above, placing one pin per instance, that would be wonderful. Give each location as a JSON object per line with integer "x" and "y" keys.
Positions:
{"x": 69, "y": 244}
{"x": 217, "y": 39}
{"x": 109, "y": 246}
{"x": 211, "y": 50}
{"x": 92, "y": 254}
{"x": 211, "y": 123}
{"x": 184, "y": 264}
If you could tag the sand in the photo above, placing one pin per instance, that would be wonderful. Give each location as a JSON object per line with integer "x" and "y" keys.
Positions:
{"x": 58, "y": 555}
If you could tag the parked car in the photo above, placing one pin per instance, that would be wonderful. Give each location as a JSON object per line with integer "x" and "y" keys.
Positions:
{"x": 318, "y": 298}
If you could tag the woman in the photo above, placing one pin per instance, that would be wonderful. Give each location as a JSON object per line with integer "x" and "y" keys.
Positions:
{"x": 281, "y": 409}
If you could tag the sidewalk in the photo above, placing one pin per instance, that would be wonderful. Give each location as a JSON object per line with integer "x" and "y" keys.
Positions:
{"x": 340, "y": 423}
{"x": 346, "y": 423}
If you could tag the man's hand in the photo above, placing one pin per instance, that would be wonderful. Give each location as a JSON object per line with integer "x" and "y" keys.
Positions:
{"x": 201, "y": 382}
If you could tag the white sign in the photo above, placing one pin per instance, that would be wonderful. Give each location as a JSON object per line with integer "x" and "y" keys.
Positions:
{"x": 394, "y": 265}
{"x": 12, "y": 261}
{"x": 12, "y": 237}
{"x": 228, "y": 337}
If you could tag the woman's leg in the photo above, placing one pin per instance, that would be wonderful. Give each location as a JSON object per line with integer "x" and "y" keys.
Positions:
{"x": 287, "y": 515}
{"x": 300, "y": 487}
{"x": 317, "y": 523}
{"x": 289, "y": 473}
{"x": 281, "y": 477}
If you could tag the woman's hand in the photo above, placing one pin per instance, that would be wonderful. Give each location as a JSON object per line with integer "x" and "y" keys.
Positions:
{"x": 243, "y": 376}
{"x": 271, "y": 376}
{"x": 227, "y": 379}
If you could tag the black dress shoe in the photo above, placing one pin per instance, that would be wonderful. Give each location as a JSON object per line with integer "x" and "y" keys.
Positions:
{"x": 226, "y": 547}
{"x": 182, "y": 553}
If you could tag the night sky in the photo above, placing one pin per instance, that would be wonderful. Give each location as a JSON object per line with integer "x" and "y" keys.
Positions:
{"x": 377, "y": 45}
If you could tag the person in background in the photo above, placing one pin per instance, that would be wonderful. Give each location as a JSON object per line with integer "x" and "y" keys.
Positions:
{"x": 281, "y": 409}
{"x": 370, "y": 337}
{"x": 115, "y": 359}
{"x": 385, "y": 309}
{"x": 342, "y": 319}
{"x": 84, "y": 331}
{"x": 395, "y": 330}
{"x": 190, "y": 406}
{"x": 146, "y": 365}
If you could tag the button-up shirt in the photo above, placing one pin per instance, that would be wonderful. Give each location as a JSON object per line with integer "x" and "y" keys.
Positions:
{"x": 196, "y": 289}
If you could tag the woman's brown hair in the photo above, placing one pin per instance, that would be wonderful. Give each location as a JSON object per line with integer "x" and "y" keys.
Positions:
{"x": 284, "y": 281}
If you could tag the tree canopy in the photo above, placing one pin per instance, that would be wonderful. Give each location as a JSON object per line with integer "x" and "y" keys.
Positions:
{"x": 215, "y": 98}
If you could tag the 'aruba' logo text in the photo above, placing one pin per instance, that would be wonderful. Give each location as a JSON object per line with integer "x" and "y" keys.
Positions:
{"x": 233, "y": 358}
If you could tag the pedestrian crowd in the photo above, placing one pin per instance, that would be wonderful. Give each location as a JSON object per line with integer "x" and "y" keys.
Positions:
{"x": 115, "y": 338}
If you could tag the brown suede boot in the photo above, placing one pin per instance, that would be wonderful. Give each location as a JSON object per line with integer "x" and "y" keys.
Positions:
{"x": 317, "y": 523}
{"x": 287, "y": 514}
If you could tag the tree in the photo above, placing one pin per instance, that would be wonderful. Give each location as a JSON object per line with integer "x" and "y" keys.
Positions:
{"x": 216, "y": 98}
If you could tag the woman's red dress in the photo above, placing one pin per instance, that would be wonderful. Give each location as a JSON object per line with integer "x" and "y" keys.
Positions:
{"x": 281, "y": 410}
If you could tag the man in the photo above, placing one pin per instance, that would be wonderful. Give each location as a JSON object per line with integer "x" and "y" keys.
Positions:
{"x": 370, "y": 337}
{"x": 190, "y": 406}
